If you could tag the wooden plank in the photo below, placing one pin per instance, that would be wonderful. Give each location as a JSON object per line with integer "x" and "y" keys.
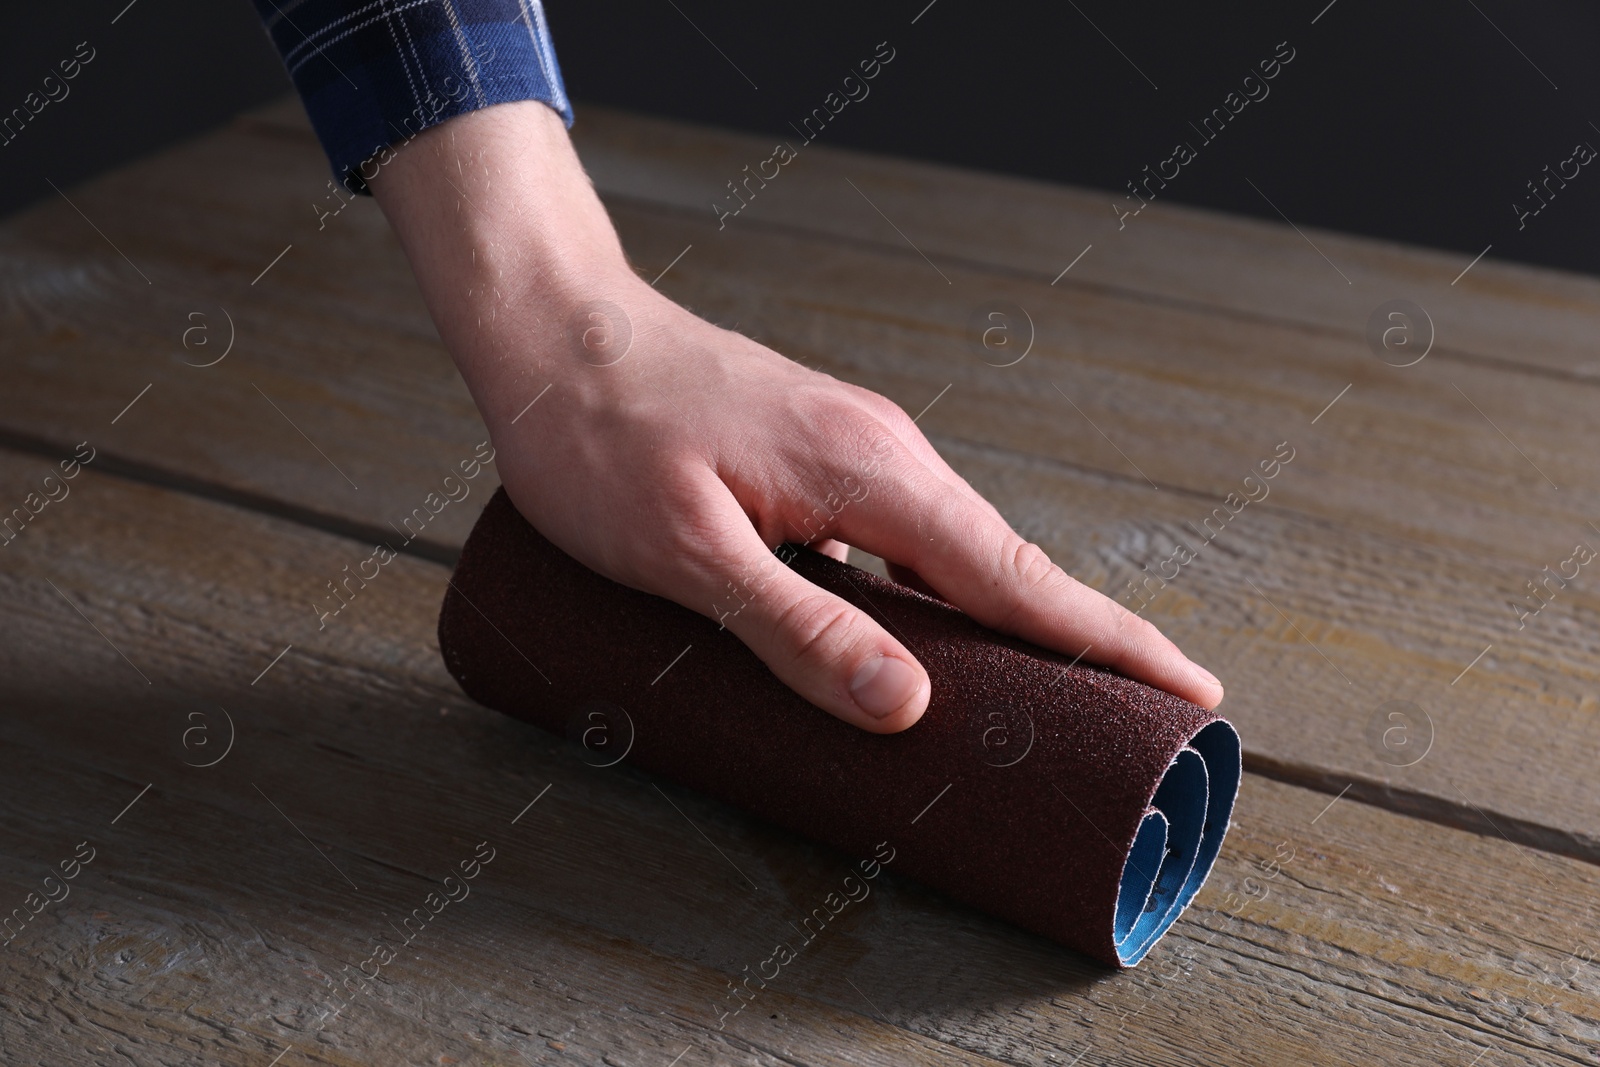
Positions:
{"x": 206, "y": 922}
{"x": 1185, "y": 400}
{"x": 336, "y": 376}
{"x": 383, "y": 388}
{"x": 322, "y": 397}
{"x": 340, "y": 298}
{"x": 1497, "y": 310}
{"x": 1316, "y": 630}
{"x": 1391, "y": 559}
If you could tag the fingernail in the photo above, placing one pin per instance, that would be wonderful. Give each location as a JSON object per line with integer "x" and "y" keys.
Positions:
{"x": 1207, "y": 675}
{"x": 882, "y": 684}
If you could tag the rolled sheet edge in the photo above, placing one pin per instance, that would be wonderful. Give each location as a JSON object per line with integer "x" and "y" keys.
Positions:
{"x": 1032, "y": 788}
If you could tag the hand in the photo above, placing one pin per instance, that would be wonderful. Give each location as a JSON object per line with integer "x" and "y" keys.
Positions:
{"x": 672, "y": 456}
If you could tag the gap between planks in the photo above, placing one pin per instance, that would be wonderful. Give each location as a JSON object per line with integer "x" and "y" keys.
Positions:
{"x": 259, "y": 503}
{"x": 994, "y": 269}
{"x": 267, "y": 126}
{"x": 1377, "y": 794}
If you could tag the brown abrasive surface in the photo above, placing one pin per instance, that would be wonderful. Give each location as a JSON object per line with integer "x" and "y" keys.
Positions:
{"x": 1019, "y": 792}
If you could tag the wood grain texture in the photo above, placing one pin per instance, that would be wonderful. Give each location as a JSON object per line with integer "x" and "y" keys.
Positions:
{"x": 606, "y": 927}
{"x": 85, "y": 334}
{"x": 1324, "y": 280}
{"x": 1385, "y": 561}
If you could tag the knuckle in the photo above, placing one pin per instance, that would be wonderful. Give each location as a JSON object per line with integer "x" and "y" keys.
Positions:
{"x": 689, "y": 544}
{"x": 1133, "y": 631}
{"x": 861, "y": 421}
{"x": 1032, "y": 568}
{"x": 845, "y": 422}
{"x": 1142, "y": 630}
{"x": 886, "y": 410}
{"x": 846, "y": 447}
{"x": 813, "y": 628}
{"x": 1032, "y": 575}
{"x": 892, "y": 423}
{"x": 688, "y": 517}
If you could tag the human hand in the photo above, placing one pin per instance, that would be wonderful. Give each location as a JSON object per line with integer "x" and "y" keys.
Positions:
{"x": 672, "y": 455}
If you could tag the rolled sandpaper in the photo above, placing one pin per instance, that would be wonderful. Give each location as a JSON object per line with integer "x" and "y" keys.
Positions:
{"x": 1062, "y": 797}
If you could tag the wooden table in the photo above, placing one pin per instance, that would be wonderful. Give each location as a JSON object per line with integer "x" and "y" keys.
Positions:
{"x": 261, "y": 798}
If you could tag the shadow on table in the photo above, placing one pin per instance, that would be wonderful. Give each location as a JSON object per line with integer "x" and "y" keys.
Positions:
{"x": 333, "y": 813}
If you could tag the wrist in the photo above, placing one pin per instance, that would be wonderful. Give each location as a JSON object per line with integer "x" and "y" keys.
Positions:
{"x": 507, "y": 239}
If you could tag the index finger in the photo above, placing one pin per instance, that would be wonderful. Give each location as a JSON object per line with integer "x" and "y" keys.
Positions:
{"x": 978, "y": 563}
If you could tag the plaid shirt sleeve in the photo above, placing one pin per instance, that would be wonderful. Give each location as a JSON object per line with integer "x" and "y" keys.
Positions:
{"x": 375, "y": 73}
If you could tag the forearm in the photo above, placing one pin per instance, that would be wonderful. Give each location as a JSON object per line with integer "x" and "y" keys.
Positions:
{"x": 505, "y": 234}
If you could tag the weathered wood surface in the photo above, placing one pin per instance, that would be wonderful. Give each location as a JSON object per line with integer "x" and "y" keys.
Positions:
{"x": 86, "y": 333}
{"x": 1320, "y": 280}
{"x": 1381, "y": 565}
{"x": 1497, "y": 311}
{"x": 606, "y": 927}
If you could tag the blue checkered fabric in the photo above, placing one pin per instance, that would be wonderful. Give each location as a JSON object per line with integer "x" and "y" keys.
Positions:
{"x": 374, "y": 73}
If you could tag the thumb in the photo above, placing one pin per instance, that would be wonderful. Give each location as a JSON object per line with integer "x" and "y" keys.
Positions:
{"x": 820, "y": 645}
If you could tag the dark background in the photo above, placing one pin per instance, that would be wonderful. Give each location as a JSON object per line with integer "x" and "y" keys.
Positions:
{"x": 1417, "y": 122}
